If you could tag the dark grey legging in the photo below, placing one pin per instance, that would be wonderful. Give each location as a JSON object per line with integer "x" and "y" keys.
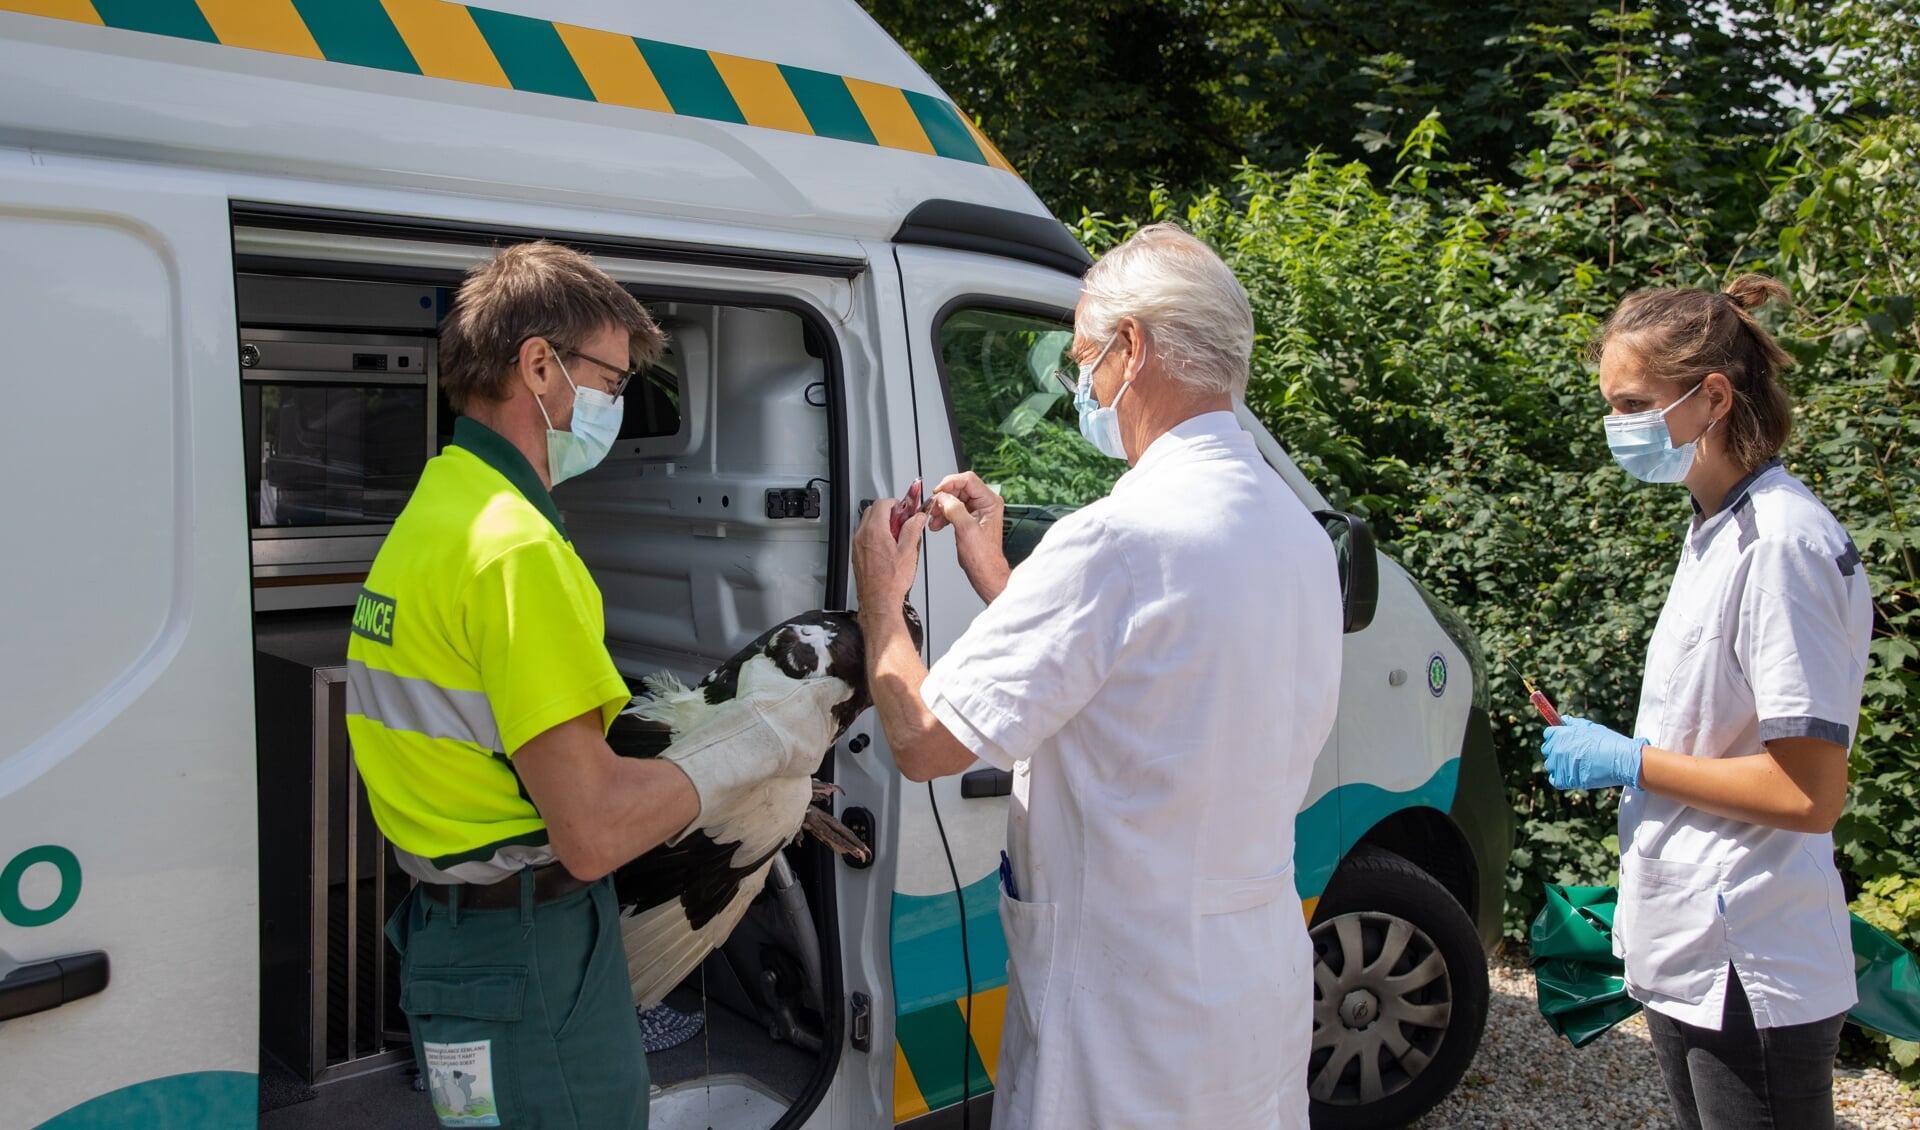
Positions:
{"x": 1747, "y": 1078}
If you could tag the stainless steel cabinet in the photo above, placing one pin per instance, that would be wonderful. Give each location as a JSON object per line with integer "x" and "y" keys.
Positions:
{"x": 329, "y": 978}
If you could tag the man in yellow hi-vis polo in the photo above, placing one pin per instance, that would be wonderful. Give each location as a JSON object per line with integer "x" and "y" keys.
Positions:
{"x": 479, "y": 690}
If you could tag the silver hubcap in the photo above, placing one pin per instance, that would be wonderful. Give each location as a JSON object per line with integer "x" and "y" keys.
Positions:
{"x": 1381, "y": 1003}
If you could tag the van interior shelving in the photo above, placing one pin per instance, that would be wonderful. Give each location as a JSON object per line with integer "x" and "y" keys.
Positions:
{"x": 337, "y": 368}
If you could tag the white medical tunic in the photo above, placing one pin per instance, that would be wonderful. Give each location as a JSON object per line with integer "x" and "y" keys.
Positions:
{"x": 1764, "y": 636}
{"x": 1159, "y": 677}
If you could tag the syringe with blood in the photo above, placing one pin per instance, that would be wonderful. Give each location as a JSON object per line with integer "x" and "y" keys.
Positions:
{"x": 1542, "y": 704}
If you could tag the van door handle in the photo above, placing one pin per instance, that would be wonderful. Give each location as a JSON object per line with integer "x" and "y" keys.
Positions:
{"x": 50, "y": 984}
{"x": 986, "y": 782}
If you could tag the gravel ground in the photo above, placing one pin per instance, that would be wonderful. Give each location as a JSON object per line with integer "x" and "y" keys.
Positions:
{"x": 1525, "y": 1076}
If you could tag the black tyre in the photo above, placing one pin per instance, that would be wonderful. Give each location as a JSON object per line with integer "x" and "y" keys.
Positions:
{"x": 1399, "y": 994}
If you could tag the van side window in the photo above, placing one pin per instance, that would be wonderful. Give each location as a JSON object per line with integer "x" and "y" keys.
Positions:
{"x": 1014, "y": 422}
{"x": 653, "y": 400}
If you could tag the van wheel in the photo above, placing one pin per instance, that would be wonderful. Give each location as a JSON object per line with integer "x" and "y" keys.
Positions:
{"x": 1399, "y": 994}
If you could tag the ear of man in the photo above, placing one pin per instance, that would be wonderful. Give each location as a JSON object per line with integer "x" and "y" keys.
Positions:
{"x": 537, "y": 365}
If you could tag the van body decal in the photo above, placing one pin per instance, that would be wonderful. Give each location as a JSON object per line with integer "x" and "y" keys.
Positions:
{"x": 192, "y": 1101}
{"x": 930, "y": 993}
{"x": 14, "y": 909}
{"x": 463, "y": 43}
{"x": 1330, "y": 826}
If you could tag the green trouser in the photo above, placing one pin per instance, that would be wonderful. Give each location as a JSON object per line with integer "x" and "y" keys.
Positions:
{"x": 523, "y": 1018}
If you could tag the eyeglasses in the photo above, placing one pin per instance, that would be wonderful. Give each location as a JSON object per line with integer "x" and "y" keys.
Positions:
{"x": 623, "y": 375}
{"x": 1068, "y": 374}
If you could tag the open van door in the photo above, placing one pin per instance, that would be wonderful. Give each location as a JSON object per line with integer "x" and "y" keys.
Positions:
{"x": 981, "y": 329}
{"x": 128, "y": 875}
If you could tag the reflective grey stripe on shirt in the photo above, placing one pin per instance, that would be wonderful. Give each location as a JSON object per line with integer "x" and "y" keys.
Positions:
{"x": 420, "y": 707}
{"x": 509, "y": 859}
{"x": 1805, "y": 726}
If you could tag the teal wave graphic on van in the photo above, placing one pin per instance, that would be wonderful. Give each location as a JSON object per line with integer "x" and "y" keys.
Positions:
{"x": 926, "y": 946}
{"x": 926, "y": 928}
{"x": 1330, "y": 826}
{"x": 197, "y": 1100}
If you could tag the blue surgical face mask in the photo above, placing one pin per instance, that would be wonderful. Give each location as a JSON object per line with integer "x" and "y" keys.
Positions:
{"x": 1644, "y": 448}
{"x": 594, "y": 427}
{"x": 1100, "y": 426}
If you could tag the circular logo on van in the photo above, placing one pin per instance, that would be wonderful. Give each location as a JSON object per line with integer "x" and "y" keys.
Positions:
{"x": 1437, "y": 675}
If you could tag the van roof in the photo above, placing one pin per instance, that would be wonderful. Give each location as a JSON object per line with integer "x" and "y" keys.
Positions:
{"x": 796, "y": 114}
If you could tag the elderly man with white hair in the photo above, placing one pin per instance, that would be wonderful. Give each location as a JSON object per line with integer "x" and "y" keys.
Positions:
{"x": 1159, "y": 676}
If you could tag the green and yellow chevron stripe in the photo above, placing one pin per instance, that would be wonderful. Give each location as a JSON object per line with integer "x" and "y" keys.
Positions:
{"x": 926, "y": 1053}
{"x": 461, "y": 43}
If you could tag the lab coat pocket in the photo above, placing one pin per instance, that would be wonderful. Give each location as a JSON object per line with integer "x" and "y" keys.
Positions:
{"x": 1670, "y": 926}
{"x": 1029, "y": 929}
{"x": 1231, "y": 896}
{"x": 1027, "y": 1091}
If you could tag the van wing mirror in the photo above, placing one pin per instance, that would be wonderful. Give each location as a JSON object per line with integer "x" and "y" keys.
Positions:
{"x": 1359, "y": 567}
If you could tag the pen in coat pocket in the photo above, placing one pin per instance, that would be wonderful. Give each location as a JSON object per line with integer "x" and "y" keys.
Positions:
{"x": 1006, "y": 877}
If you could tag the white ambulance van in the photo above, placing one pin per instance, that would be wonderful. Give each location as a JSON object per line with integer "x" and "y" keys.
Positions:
{"x": 228, "y": 232}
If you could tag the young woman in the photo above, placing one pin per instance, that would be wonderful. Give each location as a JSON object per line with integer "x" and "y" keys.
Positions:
{"x": 1731, "y": 918}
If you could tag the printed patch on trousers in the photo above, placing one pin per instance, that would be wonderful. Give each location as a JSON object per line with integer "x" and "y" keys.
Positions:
{"x": 460, "y": 1079}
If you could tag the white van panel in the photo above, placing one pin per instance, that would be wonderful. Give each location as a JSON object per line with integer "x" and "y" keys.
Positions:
{"x": 128, "y": 736}
{"x": 94, "y": 289}
{"x": 1400, "y": 741}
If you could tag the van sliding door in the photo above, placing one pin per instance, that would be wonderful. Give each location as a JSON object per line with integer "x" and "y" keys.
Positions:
{"x": 128, "y": 874}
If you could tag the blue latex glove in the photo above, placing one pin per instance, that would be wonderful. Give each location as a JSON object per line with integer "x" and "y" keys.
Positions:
{"x": 1587, "y": 755}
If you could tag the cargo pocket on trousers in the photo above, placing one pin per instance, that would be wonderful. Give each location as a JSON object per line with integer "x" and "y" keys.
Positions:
{"x": 466, "y": 1021}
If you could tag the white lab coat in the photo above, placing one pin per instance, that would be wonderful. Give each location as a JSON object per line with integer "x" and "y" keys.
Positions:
{"x": 1764, "y": 636}
{"x": 1159, "y": 676}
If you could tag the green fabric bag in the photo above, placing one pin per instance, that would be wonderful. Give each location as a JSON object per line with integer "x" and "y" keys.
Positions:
{"x": 1578, "y": 983}
{"x": 1889, "y": 981}
{"x": 1580, "y": 989}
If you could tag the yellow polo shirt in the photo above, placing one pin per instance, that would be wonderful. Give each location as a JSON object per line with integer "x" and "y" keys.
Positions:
{"x": 479, "y": 628}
